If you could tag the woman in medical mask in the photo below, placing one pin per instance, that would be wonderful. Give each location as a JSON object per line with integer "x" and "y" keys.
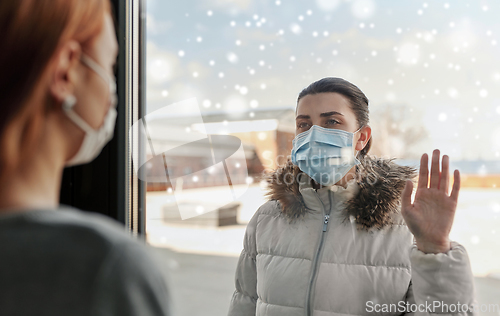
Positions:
{"x": 340, "y": 235}
{"x": 58, "y": 109}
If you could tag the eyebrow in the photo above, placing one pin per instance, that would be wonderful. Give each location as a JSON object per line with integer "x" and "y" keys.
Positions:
{"x": 326, "y": 114}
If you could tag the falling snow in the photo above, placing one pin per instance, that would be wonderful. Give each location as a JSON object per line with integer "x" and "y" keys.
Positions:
{"x": 433, "y": 58}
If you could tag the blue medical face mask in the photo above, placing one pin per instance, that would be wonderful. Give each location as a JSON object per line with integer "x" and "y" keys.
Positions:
{"x": 325, "y": 154}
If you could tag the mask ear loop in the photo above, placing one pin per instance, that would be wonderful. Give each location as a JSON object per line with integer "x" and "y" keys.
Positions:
{"x": 89, "y": 62}
{"x": 357, "y": 155}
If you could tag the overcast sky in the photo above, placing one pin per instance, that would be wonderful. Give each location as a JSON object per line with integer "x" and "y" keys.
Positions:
{"x": 440, "y": 59}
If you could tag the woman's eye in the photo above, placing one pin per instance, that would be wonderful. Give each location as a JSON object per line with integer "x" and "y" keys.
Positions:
{"x": 302, "y": 125}
{"x": 331, "y": 122}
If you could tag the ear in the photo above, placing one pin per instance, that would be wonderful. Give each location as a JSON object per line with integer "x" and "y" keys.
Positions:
{"x": 65, "y": 71}
{"x": 364, "y": 135}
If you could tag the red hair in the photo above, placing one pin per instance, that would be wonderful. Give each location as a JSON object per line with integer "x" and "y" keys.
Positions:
{"x": 32, "y": 32}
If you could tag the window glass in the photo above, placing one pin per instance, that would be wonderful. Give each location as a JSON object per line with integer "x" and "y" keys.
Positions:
{"x": 223, "y": 79}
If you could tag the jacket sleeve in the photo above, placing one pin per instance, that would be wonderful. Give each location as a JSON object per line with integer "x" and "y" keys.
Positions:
{"x": 441, "y": 283}
{"x": 244, "y": 299}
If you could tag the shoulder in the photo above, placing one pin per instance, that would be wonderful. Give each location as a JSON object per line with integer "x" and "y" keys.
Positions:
{"x": 93, "y": 234}
{"x": 122, "y": 273}
{"x": 67, "y": 219}
{"x": 269, "y": 208}
{"x": 128, "y": 267}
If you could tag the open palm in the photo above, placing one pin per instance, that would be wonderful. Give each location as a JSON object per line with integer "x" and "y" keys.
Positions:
{"x": 430, "y": 217}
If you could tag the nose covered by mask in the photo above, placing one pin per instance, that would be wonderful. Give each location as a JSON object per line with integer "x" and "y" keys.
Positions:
{"x": 94, "y": 140}
{"x": 325, "y": 154}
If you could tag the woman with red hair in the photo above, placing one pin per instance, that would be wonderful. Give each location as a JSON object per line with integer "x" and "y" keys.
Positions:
{"x": 57, "y": 108}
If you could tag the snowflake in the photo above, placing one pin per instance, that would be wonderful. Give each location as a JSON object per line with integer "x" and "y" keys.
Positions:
{"x": 232, "y": 57}
{"x": 453, "y": 93}
{"x": 295, "y": 28}
{"x": 243, "y": 90}
{"x": 206, "y": 103}
{"x": 363, "y": 9}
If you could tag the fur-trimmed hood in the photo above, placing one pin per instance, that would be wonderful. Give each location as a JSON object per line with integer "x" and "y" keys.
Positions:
{"x": 381, "y": 182}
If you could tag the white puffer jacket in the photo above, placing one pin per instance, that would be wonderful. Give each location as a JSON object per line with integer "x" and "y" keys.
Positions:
{"x": 337, "y": 251}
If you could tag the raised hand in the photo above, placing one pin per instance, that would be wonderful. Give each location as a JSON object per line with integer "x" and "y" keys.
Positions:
{"x": 431, "y": 215}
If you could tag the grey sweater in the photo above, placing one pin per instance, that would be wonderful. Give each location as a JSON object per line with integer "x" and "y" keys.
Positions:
{"x": 67, "y": 262}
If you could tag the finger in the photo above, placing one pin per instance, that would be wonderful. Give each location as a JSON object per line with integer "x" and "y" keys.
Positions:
{"x": 435, "y": 169}
{"x": 444, "y": 183}
{"x": 406, "y": 195}
{"x": 423, "y": 175}
{"x": 456, "y": 185}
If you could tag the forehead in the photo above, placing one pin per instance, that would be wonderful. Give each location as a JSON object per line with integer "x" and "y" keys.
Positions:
{"x": 323, "y": 102}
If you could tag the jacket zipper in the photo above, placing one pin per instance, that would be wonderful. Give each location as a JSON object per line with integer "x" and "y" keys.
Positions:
{"x": 316, "y": 262}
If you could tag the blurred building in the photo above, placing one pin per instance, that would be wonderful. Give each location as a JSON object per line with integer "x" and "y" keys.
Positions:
{"x": 265, "y": 134}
